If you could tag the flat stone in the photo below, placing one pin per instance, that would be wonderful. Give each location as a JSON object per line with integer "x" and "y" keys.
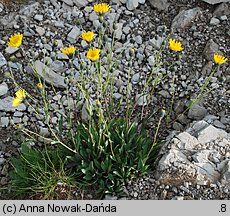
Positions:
{"x": 210, "y": 49}
{"x": 4, "y": 121}
{"x": 38, "y": 17}
{"x": 189, "y": 142}
{"x": 210, "y": 133}
{"x": 161, "y": 5}
{"x": 73, "y": 34}
{"x": 132, "y": 4}
{"x": 221, "y": 10}
{"x": 93, "y": 16}
{"x": 219, "y": 124}
{"x": 135, "y": 78}
{"x": 28, "y": 10}
{"x": 141, "y": 99}
{"x": 40, "y": 30}
{"x": 3, "y": 89}
{"x": 68, "y": 2}
{"x": 17, "y": 120}
{"x": 207, "y": 68}
{"x": 197, "y": 112}
{"x": 118, "y": 31}
{"x": 215, "y": 1}
{"x": 18, "y": 114}
{"x": 62, "y": 56}
{"x": 6, "y": 105}
{"x": 44, "y": 132}
{"x": 58, "y": 66}
{"x": 2, "y": 60}
{"x": 151, "y": 60}
{"x": 49, "y": 75}
{"x": 80, "y": 3}
{"x": 11, "y": 50}
{"x": 156, "y": 43}
{"x": 177, "y": 126}
{"x": 207, "y": 170}
{"x": 184, "y": 19}
{"x": 164, "y": 93}
{"x": 214, "y": 21}
{"x": 59, "y": 24}
{"x": 2, "y": 161}
{"x": 117, "y": 95}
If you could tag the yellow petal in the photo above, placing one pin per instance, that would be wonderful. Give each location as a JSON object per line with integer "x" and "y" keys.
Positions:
{"x": 16, "y": 101}
{"x": 20, "y": 94}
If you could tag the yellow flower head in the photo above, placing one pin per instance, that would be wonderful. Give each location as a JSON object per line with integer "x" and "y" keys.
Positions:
{"x": 20, "y": 95}
{"x": 15, "y": 40}
{"x": 39, "y": 85}
{"x": 219, "y": 59}
{"x": 88, "y": 36}
{"x": 69, "y": 50}
{"x": 175, "y": 45}
{"x": 101, "y": 8}
{"x": 93, "y": 54}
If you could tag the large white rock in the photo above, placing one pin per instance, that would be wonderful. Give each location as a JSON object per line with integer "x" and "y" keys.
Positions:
{"x": 211, "y": 133}
{"x": 196, "y": 155}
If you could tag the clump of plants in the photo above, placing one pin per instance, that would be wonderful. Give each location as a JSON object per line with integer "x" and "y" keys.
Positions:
{"x": 111, "y": 145}
{"x": 41, "y": 173}
{"x": 110, "y": 154}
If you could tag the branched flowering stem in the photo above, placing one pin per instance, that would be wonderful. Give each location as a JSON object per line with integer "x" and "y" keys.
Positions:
{"x": 155, "y": 138}
{"x": 199, "y": 95}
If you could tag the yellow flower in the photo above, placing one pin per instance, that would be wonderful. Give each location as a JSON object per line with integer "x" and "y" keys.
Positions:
{"x": 69, "y": 50}
{"x": 219, "y": 59}
{"x": 87, "y": 36}
{"x": 15, "y": 40}
{"x": 93, "y": 54}
{"x": 101, "y": 8}
{"x": 39, "y": 85}
{"x": 175, "y": 45}
{"x": 20, "y": 95}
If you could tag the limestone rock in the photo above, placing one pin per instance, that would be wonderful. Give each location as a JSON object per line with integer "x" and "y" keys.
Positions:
{"x": 6, "y": 105}
{"x": 221, "y": 10}
{"x": 73, "y": 34}
{"x": 49, "y": 75}
{"x": 197, "y": 112}
{"x": 215, "y": 1}
{"x": 184, "y": 19}
{"x": 2, "y": 60}
{"x": 210, "y": 49}
{"x": 131, "y": 4}
{"x": 210, "y": 133}
{"x": 3, "y": 89}
{"x": 80, "y": 3}
{"x": 192, "y": 156}
{"x": 161, "y": 5}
